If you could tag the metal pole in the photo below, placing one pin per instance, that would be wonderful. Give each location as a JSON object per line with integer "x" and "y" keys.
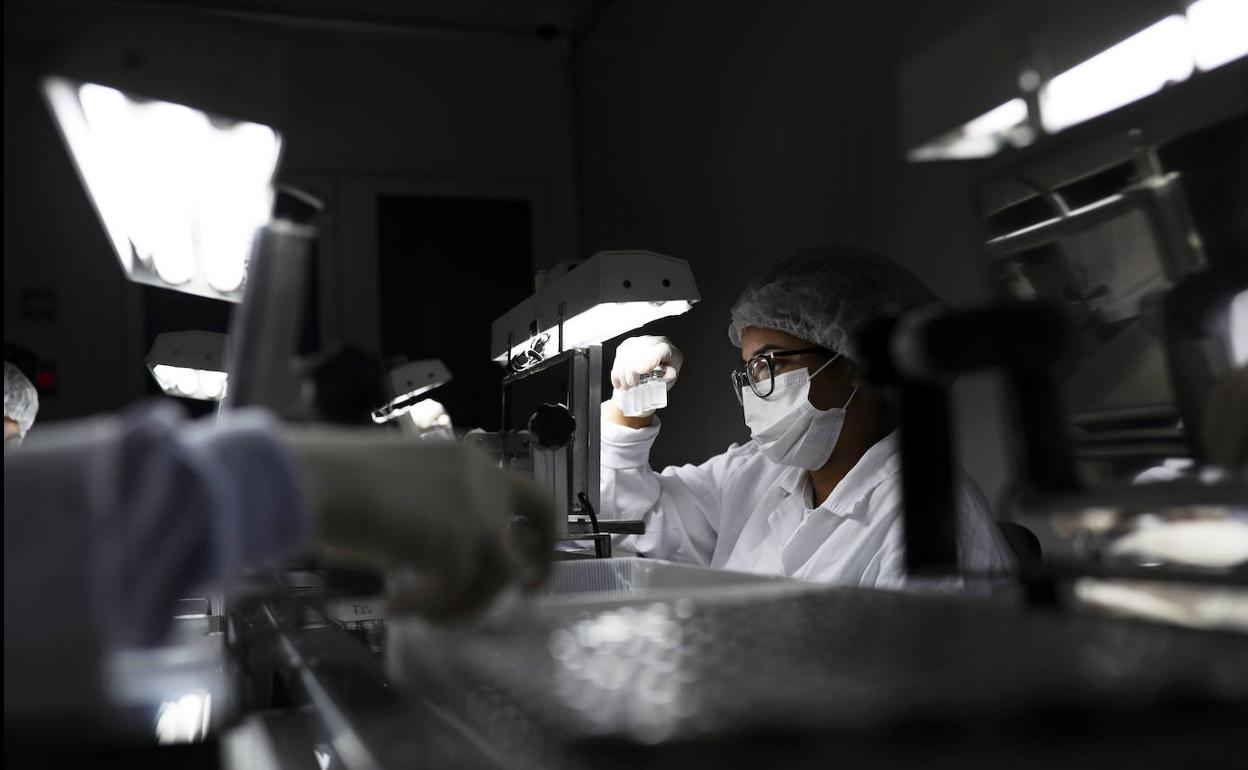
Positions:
{"x": 265, "y": 328}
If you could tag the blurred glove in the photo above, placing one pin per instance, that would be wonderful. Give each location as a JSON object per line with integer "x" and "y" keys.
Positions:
{"x": 429, "y": 420}
{"x": 429, "y": 414}
{"x": 436, "y": 518}
{"x": 641, "y": 355}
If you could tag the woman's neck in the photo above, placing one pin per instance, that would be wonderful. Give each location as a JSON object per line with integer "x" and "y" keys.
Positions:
{"x": 850, "y": 448}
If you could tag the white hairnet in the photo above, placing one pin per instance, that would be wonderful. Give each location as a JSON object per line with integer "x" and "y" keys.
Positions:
{"x": 826, "y": 296}
{"x": 21, "y": 402}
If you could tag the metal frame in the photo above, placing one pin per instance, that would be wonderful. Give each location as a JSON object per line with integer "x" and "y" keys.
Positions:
{"x": 584, "y": 388}
{"x": 1159, "y": 197}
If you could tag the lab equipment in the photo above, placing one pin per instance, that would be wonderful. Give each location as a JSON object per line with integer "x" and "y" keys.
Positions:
{"x": 994, "y": 84}
{"x": 552, "y": 392}
{"x": 406, "y": 384}
{"x": 180, "y": 192}
{"x": 550, "y": 409}
{"x": 1117, "y": 254}
{"x": 190, "y": 364}
{"x": 186, "y": 199}
{"x": 609, "y": 294}
{"x": 265, "y": 328}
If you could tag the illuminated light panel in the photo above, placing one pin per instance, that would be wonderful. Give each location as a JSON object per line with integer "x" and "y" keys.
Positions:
{"x": 603, "y": 322}
{"x": 184, "y": 720}
{"x": 1238, "y": 317}
{"x": 181, "y": 193}
{"x": 401, "y": 382}
{"x": 200, "y": 384}
{"x": 1126, "y": 72}
{"x": 1219, "y": 30}
{"x": 392, "y": 410}
{"x": 982, "y": 137}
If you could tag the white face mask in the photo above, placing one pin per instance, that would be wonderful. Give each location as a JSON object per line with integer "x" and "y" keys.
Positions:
{"x": 787, "y": 427}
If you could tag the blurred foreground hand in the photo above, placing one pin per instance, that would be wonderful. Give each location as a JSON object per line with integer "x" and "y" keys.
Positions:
{"x": 447, "y": 528}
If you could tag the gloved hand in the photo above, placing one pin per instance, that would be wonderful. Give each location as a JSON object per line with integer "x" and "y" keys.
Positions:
{"x": 434, "y": 517}
{"x": 429, "y": 414}
{"x": 429, "y": 420}
{"x": 640, "y": 355}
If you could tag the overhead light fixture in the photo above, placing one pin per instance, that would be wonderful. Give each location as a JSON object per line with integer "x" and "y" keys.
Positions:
{"x": 407, "y": 383}
{"x": 609, "y": 294}
{"x": 190, "y": 364}
{"x": 185, "y": 719}
{"x": 1136, "y": 67}
{"x": 1002, "y": 126}
{"x": 1207, "y": 34}
{"x": 180, "y": 192}
{"x": 1238, "y": 319}
{"x": 1219, "y": 30}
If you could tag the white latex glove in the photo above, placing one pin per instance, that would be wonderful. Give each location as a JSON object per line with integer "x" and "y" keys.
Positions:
{"x": 434, "y": 517}
{"x": 640, "y": 355}
{"x": 428, "y": 416}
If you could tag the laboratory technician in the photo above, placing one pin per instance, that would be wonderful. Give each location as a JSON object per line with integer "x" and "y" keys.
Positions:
{"x": 816, "y": 492}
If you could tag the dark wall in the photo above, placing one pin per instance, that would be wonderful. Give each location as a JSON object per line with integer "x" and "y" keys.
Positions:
{"x": 54, "y": 244}
{"x": 729, "y": 133}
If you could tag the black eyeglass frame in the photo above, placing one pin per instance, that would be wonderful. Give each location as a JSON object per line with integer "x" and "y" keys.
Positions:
{"x": 743, "y": 376}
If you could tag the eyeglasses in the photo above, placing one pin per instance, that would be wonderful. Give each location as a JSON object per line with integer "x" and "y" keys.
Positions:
{"x": 759, "y": 371}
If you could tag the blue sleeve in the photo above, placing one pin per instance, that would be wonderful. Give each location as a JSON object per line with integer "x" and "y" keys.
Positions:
{"x": 183, "y": 505}
{"x": 147, "y": 507}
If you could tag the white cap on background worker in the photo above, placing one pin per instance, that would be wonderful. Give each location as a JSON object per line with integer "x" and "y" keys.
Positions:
{"x": 21, "y": 404}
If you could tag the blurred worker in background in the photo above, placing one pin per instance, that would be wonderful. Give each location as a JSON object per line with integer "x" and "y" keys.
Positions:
{"x": 108, "y": 521}
{"x": 815, "y": 493}
{"x": 21, "y": 404}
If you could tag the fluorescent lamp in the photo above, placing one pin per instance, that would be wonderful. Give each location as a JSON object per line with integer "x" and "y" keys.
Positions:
{"x": 1238, "y": 317}
{"x": 407, "y": 383}
{"x": 190, "y": 365}
{"x": 982, "y": 137}
{"x": 1131, "y": 70}
{"x": 180, "y": 192}
{"x": 185, "y": 719}
{"x": 605, "y": 296}
{"x": 1219, "y": 31}
{"x": 607, "y": 321}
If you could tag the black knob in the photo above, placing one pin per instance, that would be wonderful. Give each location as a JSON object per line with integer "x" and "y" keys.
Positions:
{"x": 552, "y": 426}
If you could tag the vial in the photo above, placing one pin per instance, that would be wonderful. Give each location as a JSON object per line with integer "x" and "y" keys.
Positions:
{"x": 649, "y": 395}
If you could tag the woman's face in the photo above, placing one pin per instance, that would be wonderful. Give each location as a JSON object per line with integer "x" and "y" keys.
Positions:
{"x": 831, "y": 388}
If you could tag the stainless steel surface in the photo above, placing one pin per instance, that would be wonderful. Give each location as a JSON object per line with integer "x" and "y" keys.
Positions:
{"x": 631, "y": 581}
{"x": 792, "y": 680}
{"x": 356, "y": 719}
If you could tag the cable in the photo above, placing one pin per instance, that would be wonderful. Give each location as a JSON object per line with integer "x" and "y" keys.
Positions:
{"x": 532, "y": 356}
{"x": 593, "y": 515}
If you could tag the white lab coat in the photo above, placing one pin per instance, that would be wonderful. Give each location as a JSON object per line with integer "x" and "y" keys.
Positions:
{"x": 741, "y": 511}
